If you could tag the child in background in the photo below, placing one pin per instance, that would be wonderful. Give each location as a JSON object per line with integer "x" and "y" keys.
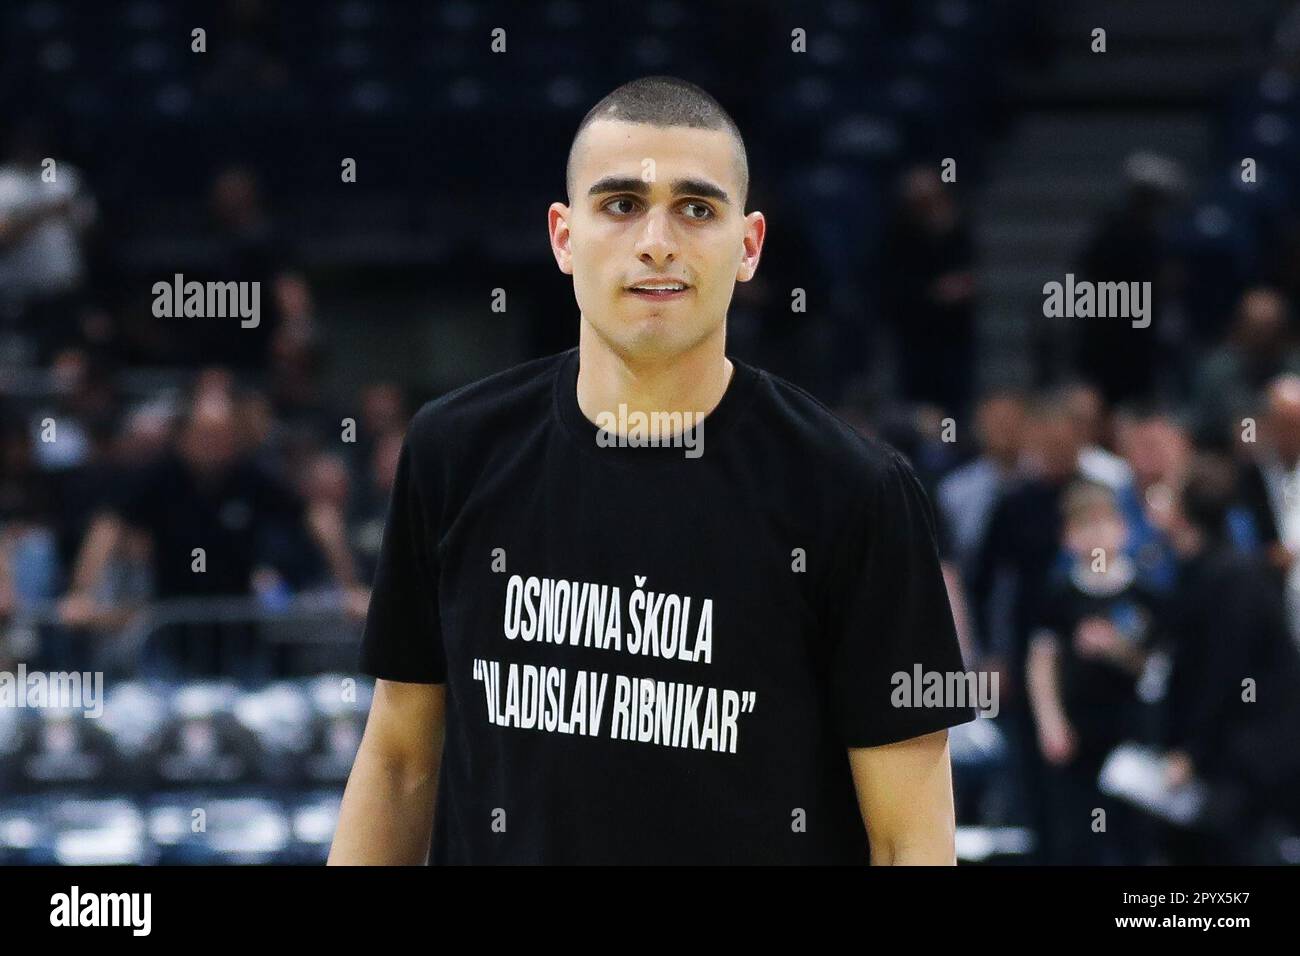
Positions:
{"x": 1084, "y": 661}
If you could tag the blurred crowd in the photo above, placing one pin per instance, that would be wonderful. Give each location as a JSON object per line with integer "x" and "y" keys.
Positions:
{"x": 1122, "y": 532}
{"x": 123, "y": 443}
{"x": 1129, "y": 586}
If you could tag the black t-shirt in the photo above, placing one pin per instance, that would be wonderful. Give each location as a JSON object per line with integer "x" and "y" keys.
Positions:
{"x": 650, "y": 657}
{"x": 1099, "y": 696}
{"x": 234, "y": 517}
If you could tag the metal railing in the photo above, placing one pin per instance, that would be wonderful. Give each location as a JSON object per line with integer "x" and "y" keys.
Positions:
{"x": 315, "y": 618}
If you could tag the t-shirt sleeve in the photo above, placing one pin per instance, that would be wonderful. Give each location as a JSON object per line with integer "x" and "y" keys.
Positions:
{"x": 897, "y": 626}
{"x": 402, "y": 640}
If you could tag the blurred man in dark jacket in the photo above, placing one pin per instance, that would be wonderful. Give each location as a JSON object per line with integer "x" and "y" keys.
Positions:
{"x": 1233, "y": 717}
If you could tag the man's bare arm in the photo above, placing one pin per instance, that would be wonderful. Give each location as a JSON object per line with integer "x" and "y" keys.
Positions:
{"x": 387, "y": 811}
{"x": 79, "y": 606}
{"x": 102, "y": 538}
{"x": 905, "y": 795}
{"x": 1042, "y": 677}
{"x": 329, "y": 530}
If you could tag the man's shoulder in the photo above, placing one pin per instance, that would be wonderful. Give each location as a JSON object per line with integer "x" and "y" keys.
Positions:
{"x": 811, "y": 428}
{"x": 488, "y": 402}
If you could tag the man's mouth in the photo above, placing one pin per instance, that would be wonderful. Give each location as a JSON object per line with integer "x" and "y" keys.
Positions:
{"x": 658, "y": 290}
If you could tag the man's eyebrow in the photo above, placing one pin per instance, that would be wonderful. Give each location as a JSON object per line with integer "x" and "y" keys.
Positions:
{"x": 639, "y": 187}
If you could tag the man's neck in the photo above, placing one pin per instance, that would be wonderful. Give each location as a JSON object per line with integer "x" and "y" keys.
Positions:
{"x": 693, "y": 381}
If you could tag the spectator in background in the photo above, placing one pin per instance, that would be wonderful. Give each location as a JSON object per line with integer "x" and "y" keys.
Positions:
{"x": 1085, "y": 657}
{"x": 369, "y": 507}
{"x": 85, "y": 400}
{"x": 1259, "y": 348}
{"x": 264, "y": 432}
{"x": 1130, "y": 246}
{"x": 384, "y": 410}
{"x": 296, "y": 358}
{"x": 1022, "y": 542}
{"x": 1088, "y": 409}
{"x": 88, "y": 491}
{"x": 326, "y": 489}
{"x": 242, "y": 223}
{"x": 1022, "y": 539}
{"x": 967, "y": 495}
{"x": 44, "y": 213}
{"x": 1270, "y": 486}
{"x": 29, "y": 569}
{"x": 1234, "y": 694}
{"x": 1156, "y": 449}
{"x": 1011, "y": 570}
{"x": 929, "y": 292}
{"x": 207, "y": 494}
{"x": 245, "y": 249}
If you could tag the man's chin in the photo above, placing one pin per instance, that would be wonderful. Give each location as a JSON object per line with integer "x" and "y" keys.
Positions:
{"x": 652, "y": 347}
{"x": 650, "y": 338}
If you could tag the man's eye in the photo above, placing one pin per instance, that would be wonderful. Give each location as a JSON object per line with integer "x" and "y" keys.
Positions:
{"x": 701, "y": 210}
{"x": 615, "y": 202}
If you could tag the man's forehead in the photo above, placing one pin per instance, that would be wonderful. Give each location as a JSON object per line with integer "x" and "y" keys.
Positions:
{"x": 615, "y": 147}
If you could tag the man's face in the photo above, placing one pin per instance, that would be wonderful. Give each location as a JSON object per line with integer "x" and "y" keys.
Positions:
{"x": 1055, "y": 441}
{"x": 1156, "y": 450}
{"x": 1002, "y": 426}
{"x": 210, "y": 441}
{"x": 683, "y": 226}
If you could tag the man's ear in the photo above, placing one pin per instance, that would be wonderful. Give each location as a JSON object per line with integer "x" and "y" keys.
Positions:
{"x": 557, "y": 221}
{"x": 755, "y": 233}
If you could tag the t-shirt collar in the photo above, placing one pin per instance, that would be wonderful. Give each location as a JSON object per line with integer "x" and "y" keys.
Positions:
{"x": 713, "y": 427}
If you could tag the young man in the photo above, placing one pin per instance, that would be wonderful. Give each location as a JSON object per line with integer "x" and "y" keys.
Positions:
{"x": 590, "y": 649}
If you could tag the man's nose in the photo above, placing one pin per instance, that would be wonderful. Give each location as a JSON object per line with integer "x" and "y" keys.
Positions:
{"x": 656, "y": 243}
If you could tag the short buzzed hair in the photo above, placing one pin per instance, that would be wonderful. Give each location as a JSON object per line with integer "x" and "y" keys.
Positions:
{"x": 664, "y": 101}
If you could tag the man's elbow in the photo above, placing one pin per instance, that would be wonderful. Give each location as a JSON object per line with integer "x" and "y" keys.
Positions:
{"x": 933, "y": 845}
